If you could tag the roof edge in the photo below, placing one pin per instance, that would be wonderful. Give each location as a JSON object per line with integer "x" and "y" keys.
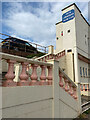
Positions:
{"x": 58, "y": 22}
{"x": 71, "y": 5}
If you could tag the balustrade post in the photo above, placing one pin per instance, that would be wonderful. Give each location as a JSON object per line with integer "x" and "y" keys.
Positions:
{"x": 53, "y": 56}
{"x": 45, "y": 58}
{"x": 59, "y": 55}
{"x": 49, "y": 75}
{"x": 43, "y": 75}
{"x": 56, "y": 57}
{"x": 75, "y": 94}
{"x": 60, "y": 80}
{"x": 42, "y": 59}
{"x": 10, "y": 75}
{"x": 66, "y": 84}
{"x": 70, "y": 89}
{"x": 23, "y": 76}
{"x": 83, "y": 87}
{"x": 63, "y": 53}
{"x": 34, "y": 76}
{"x": 48, "y": 57}
{"x": 87, "y": 87}
{"x": 80, "y": 87}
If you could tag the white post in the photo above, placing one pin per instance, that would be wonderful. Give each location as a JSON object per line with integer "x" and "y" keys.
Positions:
{"x": 0, "y": 87}
{"x": 55, "y": 83}
{"x": 50, "y": 49}
{"x": 77, "y": 78}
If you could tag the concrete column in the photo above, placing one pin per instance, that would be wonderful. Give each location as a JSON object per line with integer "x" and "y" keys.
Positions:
{"x": 50, "y": 49}
{"x": 1, "y": 87}
{"x": 77, "y": 78}
{"x": 55, "y": 103}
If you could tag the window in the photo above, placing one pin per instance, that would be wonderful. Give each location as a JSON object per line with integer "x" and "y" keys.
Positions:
{"x": 68, "y": 31}
{"x": 61, "y": 33}
{"x": 57, "y": 38}
{"x": 69, "y": 50}
{"x": 81, "y": 71}
{"x": 86, "y": 71}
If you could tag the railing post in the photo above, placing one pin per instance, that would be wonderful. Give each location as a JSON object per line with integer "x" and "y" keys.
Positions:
{"x": 70, "y": 89}
{"x": 49, "y": 75}
{"x": 60, "y": 80}
{"x": 83, "y": 87}
{"x": 23, "y": 76}
{"x": 45, "y": 58}
{"x": 43, "y": 75}
{"x": 66, "y": 84}
{"x": 10, "y": 75}
{"x": 34, "y": 76}
{"x": 55, "y": 85}
{"x": 87, "y": 87}
{"x": 55, "y": 112}
{"x": 80, "y": 87}
{"x": 75, "y": 93}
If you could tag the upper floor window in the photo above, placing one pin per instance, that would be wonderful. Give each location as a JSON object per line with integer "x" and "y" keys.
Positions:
{"x": 57, "y": 38}
{"x": 68, "y": 31}
{"x": 86, "y": 71}
{"x": 61, "y": 33}
{"x": 81, "y": 71}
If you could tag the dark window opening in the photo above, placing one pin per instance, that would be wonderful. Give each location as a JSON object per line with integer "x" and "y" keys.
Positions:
{"x": 57, "y": 38}
{"x": 68, "y": 31}
{"x": 61, "y": 33}
{"x": 69, "y": 50}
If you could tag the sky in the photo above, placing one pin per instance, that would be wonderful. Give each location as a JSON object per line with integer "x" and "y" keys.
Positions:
{"x": 35, "y": 21}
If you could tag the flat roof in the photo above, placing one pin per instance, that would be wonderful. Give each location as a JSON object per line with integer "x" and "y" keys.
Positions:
{"x": 78, "y": 10}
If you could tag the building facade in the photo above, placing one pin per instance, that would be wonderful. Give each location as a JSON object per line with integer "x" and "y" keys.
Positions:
{"x": 72, "y": 35}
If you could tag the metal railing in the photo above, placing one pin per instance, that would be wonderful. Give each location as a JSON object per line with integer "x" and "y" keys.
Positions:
{"x": 37, "y": 46}
{"x": 85, "y": 106}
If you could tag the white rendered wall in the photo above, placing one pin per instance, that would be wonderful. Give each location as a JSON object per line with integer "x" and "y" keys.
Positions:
{"x": 81, "y": 31}
{"x": 29, "y": 101}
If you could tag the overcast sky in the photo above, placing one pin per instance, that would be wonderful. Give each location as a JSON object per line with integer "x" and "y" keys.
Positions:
{"x": 35, "y": 21}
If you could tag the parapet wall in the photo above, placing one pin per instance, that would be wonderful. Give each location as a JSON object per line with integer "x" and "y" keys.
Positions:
{"x": 27, "y": 102}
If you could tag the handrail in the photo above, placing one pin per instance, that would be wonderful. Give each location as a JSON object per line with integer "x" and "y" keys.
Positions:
{"x": 85, "y": 104}
{"x": 22, "y": 59}
{"x": 54, "y": 55}
{"x": 43, "y": 56}
{"x": 64, "y": 75}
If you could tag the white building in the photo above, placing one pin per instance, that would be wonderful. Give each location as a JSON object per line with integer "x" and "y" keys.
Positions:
{"x": 72, "y": 35}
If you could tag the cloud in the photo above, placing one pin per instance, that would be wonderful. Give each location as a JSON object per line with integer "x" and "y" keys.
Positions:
{"x": 34, "y": 21}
